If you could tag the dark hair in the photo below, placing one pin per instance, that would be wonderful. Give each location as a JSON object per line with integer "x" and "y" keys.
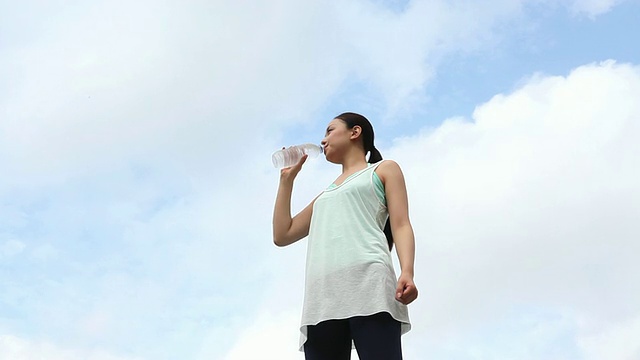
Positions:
{"x": 351, "y": 120}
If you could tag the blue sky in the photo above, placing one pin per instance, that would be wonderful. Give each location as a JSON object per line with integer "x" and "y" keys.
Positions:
{"x": 549, "y": 40}
{"x": 137, "y": 188}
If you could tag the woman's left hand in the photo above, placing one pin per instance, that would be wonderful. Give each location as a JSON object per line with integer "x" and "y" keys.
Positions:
{"x": 406, "y": 290}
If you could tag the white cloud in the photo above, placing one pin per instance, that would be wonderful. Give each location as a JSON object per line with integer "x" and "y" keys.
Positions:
{"x": 269, "y": 338}
{"x": 615, "y": 342}
{"x": 531, "y": 203}
{"x": 10, "y": 248}
{"x": 592, "y": 8}
{"x": 180, "y": 87}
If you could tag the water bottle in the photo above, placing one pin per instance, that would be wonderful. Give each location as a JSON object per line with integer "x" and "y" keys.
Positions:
{"x": 291, "y": 155}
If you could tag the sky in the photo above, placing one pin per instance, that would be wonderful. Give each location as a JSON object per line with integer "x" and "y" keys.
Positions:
{"x": 137, "y": 187}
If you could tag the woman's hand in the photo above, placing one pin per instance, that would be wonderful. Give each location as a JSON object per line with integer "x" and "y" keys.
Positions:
{"x": 287, "y": 229}
{"x": 290, "y": 173}
{"x": 406, "y": 290}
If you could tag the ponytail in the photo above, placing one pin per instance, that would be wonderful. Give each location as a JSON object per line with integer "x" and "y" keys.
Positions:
{"x": 388, "y": 234}
{"x": 374, "y": 156}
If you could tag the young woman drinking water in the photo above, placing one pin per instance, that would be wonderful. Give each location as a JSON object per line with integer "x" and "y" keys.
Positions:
{"x": 352, "y": 296}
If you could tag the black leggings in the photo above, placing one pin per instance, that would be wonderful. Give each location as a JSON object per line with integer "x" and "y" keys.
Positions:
{"x": 375, "y": 337}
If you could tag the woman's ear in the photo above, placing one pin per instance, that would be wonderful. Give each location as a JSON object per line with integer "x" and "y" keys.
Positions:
{"x": 356, "y": 131}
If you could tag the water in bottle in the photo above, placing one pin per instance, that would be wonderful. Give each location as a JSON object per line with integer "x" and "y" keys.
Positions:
{"x": 291, "y": 155}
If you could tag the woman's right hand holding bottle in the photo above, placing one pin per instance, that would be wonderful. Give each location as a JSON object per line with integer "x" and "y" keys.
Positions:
{"x": 290, "y": 173}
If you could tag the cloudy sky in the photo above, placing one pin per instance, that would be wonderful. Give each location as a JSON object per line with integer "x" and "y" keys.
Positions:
{"x": 136, "y": 186}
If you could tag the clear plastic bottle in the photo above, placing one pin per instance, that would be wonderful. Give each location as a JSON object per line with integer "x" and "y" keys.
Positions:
{"x": 291, "y": 155}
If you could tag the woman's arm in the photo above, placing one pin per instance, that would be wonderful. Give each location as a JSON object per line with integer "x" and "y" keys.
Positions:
{"x": 287, "y": 230}
{"x": 398, "y": 207}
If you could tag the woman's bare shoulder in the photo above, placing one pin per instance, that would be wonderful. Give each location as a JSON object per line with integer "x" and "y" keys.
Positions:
{"x": 388, "y": 169}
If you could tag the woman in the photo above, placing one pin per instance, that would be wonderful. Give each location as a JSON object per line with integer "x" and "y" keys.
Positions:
{"x": 352, "y": 296}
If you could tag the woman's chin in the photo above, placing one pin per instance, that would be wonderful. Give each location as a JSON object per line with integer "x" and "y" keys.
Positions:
{"x": 329, "y": 158}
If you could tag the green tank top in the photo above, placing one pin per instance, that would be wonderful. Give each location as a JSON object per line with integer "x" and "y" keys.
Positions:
{"x": 349, "y": 271}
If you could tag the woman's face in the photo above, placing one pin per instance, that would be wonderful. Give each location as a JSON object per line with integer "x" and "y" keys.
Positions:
{"x": 337, "y": 138}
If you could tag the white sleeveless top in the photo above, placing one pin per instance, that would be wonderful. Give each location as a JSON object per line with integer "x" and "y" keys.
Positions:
{"x": 349, "y": 270}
